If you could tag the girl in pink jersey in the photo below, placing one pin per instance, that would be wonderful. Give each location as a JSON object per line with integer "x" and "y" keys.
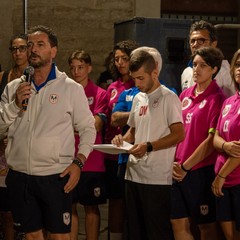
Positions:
{"x": 226, "y": 186}
{"x": 90, "y": 191}
{"x": 193, "y": 169}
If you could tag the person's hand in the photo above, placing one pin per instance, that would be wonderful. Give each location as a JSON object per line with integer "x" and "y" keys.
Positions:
{"x": 232, "y": 148}
{"x": 23, "y": 92}
{"x": 74, "y": 173}
{"x": 118, "y": 140}
{"x": 178, "y": 173}
{"x": 138, "y": 150}
{"x": 217, "y": 186}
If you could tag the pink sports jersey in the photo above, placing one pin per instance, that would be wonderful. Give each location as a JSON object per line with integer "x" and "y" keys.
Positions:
{"x": 229, "y": 129}
{"x": 113, "y": 92}
{"x": 200, "y": 116}
{"x": 97, "y": 100}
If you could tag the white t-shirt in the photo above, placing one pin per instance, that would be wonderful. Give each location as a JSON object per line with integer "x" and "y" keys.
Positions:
{"x": 223, "y": 78}
{"x": 151, "y": 115}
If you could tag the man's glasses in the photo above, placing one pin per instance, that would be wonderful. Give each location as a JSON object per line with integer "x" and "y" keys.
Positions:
{"x": 21, "y": 48}
{"x": 200, "y": 41}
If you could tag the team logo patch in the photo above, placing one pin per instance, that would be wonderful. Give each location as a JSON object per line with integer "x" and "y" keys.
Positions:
{"x": 113, "y": 94}
{"x": 226, "y": 110}
{"x": 90, "y": 101}
{"x": 53, "y": 98}
{"x": 66, "y": 218}
{"x": 155, "y": 103}
{"x": 186, "y": 102}
{"x": 97, "y": 191}
{"x": 204, "y": 209}
{"x": 202, "y": 104}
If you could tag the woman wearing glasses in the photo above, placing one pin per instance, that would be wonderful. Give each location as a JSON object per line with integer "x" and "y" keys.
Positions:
{"x": 120, "y": 71}
{"x": 193, "y": 170}
{"x": 203, "y": 34}
{"x": 226, "y": 186}
{"x": 18, "y": 49}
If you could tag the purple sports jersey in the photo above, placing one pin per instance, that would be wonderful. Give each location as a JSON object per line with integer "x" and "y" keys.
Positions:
{"x": 97, "y": 100}
{"x": 229, "y": 129}
{"x": 200, "y": 116}
{"x": 113, "y": 92}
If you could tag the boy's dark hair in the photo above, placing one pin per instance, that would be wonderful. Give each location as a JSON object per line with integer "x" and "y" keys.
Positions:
{"x": 212, "y": 56}
{"x": 142, "y": 58}
{"x": 203, "y": 25}
{"x": 51, "y": 35}
{"x": 80, "y": 55}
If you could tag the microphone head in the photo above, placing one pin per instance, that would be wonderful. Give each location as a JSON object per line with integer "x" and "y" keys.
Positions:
{"x": 29, "y": 70}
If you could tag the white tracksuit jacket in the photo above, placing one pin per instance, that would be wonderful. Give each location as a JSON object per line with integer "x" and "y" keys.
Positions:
{"x": 41, "y": 139}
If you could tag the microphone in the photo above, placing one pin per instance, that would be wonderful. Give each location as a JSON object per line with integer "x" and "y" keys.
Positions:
{"x": 28, "y": 73}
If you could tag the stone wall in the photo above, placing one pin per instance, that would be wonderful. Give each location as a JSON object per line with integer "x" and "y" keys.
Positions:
{"x": 6, "y": 32}
{"x": 79, "y": 24}
{"x": 89, "y": 24}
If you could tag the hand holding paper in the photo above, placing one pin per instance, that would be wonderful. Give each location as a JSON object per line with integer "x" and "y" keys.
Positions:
{"x": 113, "y": 149}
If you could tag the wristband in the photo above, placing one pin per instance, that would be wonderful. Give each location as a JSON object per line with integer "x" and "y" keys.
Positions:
{"x": 78, "y": 163}
{"x": 223, "y": 146}
{"x": 221, "y": 176}
{"x": 184, "y": 169}
{"x": 149, "y": 147}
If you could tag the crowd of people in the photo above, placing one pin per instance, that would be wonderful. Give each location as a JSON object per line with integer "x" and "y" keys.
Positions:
{"x": 181, "y": 178}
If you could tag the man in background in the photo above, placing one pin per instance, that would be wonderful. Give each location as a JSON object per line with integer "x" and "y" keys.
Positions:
{"x": 203, "y": 34}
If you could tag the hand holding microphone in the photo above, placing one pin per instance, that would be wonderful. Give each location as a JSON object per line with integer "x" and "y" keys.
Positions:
{"x": 24, "y": 90}
{"x": 29, "y": 71}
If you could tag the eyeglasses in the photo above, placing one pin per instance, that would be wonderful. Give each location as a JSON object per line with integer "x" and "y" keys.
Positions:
{"x": 123, "y": 58}
{"x": 21, "y": 48}
{"x": 200, "y": 41}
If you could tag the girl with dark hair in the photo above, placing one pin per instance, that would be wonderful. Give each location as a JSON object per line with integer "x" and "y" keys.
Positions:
{"x": 193, "y": 170}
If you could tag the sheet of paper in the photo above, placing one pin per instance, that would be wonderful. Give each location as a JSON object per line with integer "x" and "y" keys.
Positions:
{"x": 113, "y": 149}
